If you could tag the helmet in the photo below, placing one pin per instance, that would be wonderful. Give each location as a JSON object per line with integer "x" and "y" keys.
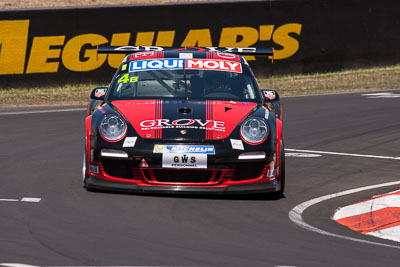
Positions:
{"x": 216, "y": 80}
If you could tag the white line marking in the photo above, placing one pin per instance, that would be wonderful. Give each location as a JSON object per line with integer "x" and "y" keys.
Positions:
{"x": 296, "y": 214}
{"x": 17, "y": 265}
{"x": 31, "y": 199}
{"x": 343, "y": 93}
{"x": 302, "y": 155}
{"x": 392, "y": 201}
{"x": 342, "y": 154}
{"x": 41, "y": 111}
{"x": 382, "y": 95}
{"x": 9, "y": 200}
{"x": 24, "y": 199}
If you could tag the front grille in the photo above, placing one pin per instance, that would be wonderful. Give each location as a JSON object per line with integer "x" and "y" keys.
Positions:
{"x": 248, "y": 171}
{"x": 117, "y": 168}
{"x": 182, "y": 176}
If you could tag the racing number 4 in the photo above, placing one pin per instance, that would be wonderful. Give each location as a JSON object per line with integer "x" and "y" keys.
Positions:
{"x": 125, "y": 79}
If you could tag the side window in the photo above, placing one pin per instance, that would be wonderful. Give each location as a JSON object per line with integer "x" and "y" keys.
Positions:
{"x": 249, "y": 89}
{"x": 126, "y": 85}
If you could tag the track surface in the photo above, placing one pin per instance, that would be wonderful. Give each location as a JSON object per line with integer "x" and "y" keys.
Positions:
{"x": 41, "y": 154}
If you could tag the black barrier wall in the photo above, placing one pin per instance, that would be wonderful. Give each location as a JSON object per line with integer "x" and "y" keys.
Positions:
{"x": 56, "y": 46}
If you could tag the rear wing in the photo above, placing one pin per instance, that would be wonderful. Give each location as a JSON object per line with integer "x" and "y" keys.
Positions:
{"x": 244, "y": 51}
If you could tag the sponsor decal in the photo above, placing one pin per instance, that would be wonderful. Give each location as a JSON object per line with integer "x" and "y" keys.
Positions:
{"x": 266, "y": 116}
{"x": 228, "y": 56}
{"x": 184, "y": 160}
{"x": 123, "y": 67}
{"x": 94, "y": 169}
{"x": 183, "y": 123}
{"x": 174, "y": 63}
{"x": 237, "y": 144}
{"x": 143, "y": 164}
{"x": 143, "y": 55}
{"x": 126, "y": 79}
{"x": 269, "y": 94}
{"x": 24, "y": 51}
{"x": 155, "y": 64}
{"x": 100, "y": 92}
{"x": 193, "y": 149}
{"x": 271, "y": 173}
{"x": 207, "y": 64}
{"x": 129, "y": 141}
{"x": 185, "y": 55}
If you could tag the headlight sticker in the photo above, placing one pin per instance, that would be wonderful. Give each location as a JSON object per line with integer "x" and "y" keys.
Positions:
{"x": 129, "y": 141}
{"x": 237, "y": 144}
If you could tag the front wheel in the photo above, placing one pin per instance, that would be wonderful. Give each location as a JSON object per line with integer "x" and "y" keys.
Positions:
{"x": 84, "y": 167}
{"x": 281, "y": 177}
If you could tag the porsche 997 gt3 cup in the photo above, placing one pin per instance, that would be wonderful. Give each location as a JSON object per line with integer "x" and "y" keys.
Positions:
{"x": 184, "y": 120}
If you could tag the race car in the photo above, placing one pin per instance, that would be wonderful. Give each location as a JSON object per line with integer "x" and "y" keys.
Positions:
{"x": 184, "y": 120}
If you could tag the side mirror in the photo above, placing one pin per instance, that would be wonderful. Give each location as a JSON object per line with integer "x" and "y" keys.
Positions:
{"x": 98, "y": 93}
{"x": 270, "y": 95}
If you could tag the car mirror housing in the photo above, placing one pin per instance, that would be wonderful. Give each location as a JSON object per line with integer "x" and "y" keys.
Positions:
{"x": 270, "y": 95}
{"x": 98, "y": 93}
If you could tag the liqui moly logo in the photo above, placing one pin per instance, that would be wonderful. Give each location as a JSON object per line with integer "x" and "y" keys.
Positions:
{"x": 208, "y": 64}
{"x": 198, "y": 64}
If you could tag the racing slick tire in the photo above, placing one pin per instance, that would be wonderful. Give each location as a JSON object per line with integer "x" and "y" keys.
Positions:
{"x": 84, "y": 167}
{"x": 281, "y": 177}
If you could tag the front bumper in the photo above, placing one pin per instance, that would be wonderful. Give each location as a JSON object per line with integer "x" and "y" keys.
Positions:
{"x": 226, "y": 171}
{"x": 107, "y": 185}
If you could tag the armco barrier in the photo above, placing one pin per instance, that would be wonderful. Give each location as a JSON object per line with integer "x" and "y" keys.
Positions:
{"x": 55, "y": 46}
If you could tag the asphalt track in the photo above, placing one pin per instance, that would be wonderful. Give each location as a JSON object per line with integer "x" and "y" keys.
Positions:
{"x": 64, "y": 225}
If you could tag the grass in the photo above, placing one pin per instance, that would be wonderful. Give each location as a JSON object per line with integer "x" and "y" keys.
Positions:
{"x": 344, "y": 81}
{"x": 382, "y": 78}
{"x": 77, "y": 94}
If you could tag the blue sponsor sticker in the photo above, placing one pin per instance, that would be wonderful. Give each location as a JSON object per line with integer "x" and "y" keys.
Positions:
{"x": 184, "y": 149}
{"x": 156, "y": 64}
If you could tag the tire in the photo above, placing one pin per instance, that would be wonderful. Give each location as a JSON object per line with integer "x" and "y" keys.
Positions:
{"x": 84, "y": 167}
{"x": 281, "y": 178}
{"x": 282, "y": 169}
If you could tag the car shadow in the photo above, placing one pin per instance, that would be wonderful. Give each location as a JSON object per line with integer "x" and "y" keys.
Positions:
{"x": 246, "y": 197}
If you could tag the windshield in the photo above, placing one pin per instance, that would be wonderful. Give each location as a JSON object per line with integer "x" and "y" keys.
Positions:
{"x": 168, "y": 78}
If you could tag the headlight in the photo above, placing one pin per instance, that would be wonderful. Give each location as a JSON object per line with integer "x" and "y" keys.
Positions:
{"x": 254, "y": 130}
{"x": 112, "y": 128}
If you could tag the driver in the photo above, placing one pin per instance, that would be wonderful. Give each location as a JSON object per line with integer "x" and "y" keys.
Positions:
{"x": 216, "y": 81}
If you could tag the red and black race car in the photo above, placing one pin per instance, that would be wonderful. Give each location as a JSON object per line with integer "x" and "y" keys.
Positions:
{"x": 184, "y": 120}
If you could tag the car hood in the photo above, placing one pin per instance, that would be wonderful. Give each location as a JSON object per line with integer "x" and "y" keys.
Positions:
{"x": 183, "y": 120}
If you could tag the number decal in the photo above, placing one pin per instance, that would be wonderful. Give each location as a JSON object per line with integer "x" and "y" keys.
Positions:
{"x": 125, "y": 79}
